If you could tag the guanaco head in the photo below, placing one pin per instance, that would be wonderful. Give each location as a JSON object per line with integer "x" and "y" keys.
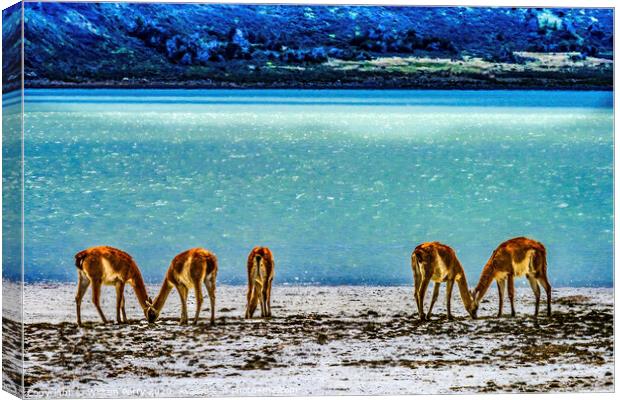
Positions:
{"x": 149, "y": 312}
{"x": 475, "y": 302}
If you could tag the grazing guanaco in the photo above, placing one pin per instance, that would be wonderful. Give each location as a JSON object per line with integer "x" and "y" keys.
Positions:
{"x": 513, "y": 258}
{"x": 104, "y": 265}
{"x": 437, "y": 262}
{"x": 260, "y": 275}
{"x": 188, "y": 270}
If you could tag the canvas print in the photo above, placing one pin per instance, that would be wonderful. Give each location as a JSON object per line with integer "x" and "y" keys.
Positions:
{"x": 300, "y": 200}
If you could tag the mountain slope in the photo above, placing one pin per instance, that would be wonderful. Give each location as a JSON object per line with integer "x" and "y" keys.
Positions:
{"x": 266, "y": 45}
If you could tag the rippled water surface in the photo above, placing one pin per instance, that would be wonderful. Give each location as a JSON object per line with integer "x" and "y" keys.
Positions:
{"x": 342, "y": 185}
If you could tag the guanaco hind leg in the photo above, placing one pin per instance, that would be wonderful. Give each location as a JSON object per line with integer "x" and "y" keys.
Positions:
{"x": 83, "y": 284}
{"x": 545, "y": 284}
{"x": 261, "y": 298}
{"x": 433, "y": 299}
{"x": 261, "y": 281}
{"x": 417, "y": 283}
{"x": 254, "y": 289}
{"x": 252, "y": 301}
{"x": 183, "y": 295}
{"x": 269, "y": 298}
{"x": 199, "y": 299}
{"x": 536, "y": 290}
{"x": 96, "y": 299}
{"x": 120, "y": 287}
{"x": 210, "y": 284}
{"x": 265, "y": 295}
{"x": 421, "y": 293}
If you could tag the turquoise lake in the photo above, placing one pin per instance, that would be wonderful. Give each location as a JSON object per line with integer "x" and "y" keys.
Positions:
{"x": 341, "y": 185}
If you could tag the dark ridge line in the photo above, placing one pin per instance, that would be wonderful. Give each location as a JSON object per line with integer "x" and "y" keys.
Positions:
{"x": 287, "y": 103}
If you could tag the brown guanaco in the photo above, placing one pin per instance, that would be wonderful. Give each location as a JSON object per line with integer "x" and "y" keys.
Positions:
{"x": 437, "y": 262}
{"x": 188, "y": 270}
{"x": 260, "y": 275}
{"x": 513, "y": 258}
{"x": 104, "y": 265}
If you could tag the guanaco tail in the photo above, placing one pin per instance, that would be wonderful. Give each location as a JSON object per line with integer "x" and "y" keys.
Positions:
{"x": 104, "y": 265}
{"x": 437, "y": 262}
{"x": 260, "y": 275}
{"x": 513, "y": 258}
{"x": 188, "y": 270}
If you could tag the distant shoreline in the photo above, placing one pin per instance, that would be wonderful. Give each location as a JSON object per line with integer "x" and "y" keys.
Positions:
{"x": 156, "y": 283}
{"x": 544, "y": 71}
{"x": 314, "y": 86}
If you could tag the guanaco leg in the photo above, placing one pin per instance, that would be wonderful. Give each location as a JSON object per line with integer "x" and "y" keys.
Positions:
{"x": 501, "y": 287}
{"x": 251, "y": 305}
{"x": 120, "y": 302}
{"x": 96, "y": 299}
{"x": 183, "y": 295}
{"x": 262, "y": 294}
{"x": 83, "y": 284}
{"x": 199, "y": 298}
{"x": 433, "y": 299}
{"x": 252, "y": 300}
{"x": 269, "y": 298}
{"x": 511, "y": 294}
{"x": 449, "y": 286}
{"x": 123, "y": 309}
{"x": 545, "y": 284}
{"x": 417, "y": 281}
{"x": 210, "y": 284}
{"x": 421, "y": 293}
{"x": 536, "y": 290}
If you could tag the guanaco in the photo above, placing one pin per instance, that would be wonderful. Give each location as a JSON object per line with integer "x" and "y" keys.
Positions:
{"x": 188, "y": 270}
{"x": 104, "y": 265}
{"x": 260, "y": 275}
{"x": 433, "y": 261}
{"x": 513, "y": 258}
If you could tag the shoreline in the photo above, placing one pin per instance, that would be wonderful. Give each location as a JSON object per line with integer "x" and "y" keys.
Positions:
{"x": 155, "y": 285}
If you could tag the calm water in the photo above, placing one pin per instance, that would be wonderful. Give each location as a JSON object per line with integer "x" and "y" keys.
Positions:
{"x": 342, "y": 185}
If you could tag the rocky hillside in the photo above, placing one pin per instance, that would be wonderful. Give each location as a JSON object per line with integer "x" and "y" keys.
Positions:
{"x": 271, "y": 45}
{"x": 11, "y": 48}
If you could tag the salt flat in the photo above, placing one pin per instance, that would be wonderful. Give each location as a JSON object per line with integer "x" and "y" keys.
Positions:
{"x": 322, "y": 340}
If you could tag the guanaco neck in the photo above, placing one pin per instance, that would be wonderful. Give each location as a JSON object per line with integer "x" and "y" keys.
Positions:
{"x": 486, "y": 278}
{"x": 464, "y": 291}
{"x": 139, "y": 288}
{"x": 164, "y": 291}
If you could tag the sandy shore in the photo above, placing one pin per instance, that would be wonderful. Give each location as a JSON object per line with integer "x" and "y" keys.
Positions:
{"x": 321, "y": 341}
